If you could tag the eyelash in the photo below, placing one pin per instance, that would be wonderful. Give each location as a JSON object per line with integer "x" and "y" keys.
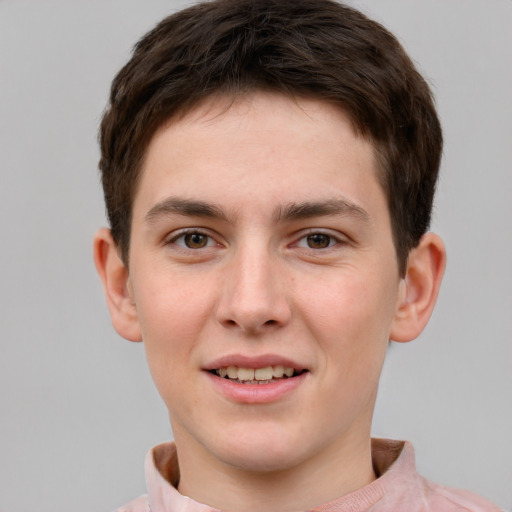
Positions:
{"x": 191, "y": 232}
{"x": 210, "y": 241}
{"x": 333, "y": 240}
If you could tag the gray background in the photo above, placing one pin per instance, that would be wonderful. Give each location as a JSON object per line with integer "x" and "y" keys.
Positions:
{"x": 77, "y": 408}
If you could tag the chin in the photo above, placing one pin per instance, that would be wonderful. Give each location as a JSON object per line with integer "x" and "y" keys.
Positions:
{"x": 262, "y": 453}
{"x": 262, "y": 460}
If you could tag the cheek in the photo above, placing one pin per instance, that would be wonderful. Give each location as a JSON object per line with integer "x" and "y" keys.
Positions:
{"x": 172, "y": 314}
{"x": 355, "y": 302}
{"x": 350, "y": 316}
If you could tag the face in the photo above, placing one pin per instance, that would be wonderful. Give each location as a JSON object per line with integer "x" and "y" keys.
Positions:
{"x": 265, "y": 280}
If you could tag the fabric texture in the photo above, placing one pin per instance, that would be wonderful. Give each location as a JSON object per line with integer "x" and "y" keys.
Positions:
{"x": 398, "y": 488}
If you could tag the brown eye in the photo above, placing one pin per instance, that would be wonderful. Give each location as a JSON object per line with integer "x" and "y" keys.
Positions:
{"x": 196, "y": 240}
{"x": 318, "y": 241}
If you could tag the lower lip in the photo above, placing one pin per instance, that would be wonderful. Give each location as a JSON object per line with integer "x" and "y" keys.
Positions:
{"x": 256, "y": 393}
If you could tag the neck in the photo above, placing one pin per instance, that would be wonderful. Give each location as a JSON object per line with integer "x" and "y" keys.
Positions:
{"x": 339, "y": 469}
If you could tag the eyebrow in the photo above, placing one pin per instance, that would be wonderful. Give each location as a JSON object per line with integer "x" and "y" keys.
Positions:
{"x": 186, "y": 207}
{"x": 307, "y": 210}
{"x": 292, "y": 211}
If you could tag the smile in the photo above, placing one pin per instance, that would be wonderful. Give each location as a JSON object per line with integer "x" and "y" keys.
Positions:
{"x": 264, "y": 375}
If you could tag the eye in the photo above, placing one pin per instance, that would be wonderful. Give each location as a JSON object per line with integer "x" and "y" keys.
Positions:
{"x": 193, "y": 240}
{"x": 317, "y": 241}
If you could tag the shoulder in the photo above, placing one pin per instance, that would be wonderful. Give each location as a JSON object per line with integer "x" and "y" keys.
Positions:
{"x": 403, "y": 488}
{"x": 140, "y": 504}
{"x": 448, "y": 499}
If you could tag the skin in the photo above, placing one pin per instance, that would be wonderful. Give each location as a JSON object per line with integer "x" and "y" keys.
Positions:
{"x": 224, "y": 262}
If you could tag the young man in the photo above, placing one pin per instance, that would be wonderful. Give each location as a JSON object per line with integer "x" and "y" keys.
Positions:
{"x": 269, "y": 169}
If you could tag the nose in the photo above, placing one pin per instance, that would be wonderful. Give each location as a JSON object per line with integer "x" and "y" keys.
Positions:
{"x": 254, "y": 296}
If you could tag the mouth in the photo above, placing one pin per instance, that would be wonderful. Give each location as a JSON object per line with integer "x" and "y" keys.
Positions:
{"x": 256, "y": 376}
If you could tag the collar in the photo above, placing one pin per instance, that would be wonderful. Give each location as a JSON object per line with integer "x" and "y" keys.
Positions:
{"x": 393, "y": 462}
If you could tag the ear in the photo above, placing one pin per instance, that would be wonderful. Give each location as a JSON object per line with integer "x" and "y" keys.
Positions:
{"x": 419, "y": 288}
{"x": 116, "y": 284}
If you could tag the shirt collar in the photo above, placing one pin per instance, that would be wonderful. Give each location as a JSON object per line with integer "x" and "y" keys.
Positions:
{"x": 392, "y": 461}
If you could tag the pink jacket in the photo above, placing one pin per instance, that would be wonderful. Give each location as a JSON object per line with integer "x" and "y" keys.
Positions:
{"x": 399, "y": 488}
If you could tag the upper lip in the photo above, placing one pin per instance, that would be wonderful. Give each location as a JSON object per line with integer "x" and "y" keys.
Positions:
{"x": 261, "y": 361}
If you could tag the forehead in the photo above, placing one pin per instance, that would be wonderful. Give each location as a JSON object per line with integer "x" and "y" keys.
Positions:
{"x": 260, "y": 112}
{"x": 278, "y": 147}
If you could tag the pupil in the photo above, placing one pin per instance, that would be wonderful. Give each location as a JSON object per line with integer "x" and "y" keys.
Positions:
{"x": 195, "y": 240}
{"x": 318, "y": 241}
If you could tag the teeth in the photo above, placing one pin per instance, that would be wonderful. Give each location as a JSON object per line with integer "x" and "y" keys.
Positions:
{"x": 259, "y": 374}
{"x": 232, "y": 372}
{"x": 278, "y": 371}
{"x": 245, "y": 374}
{"x": 263, "y": 373}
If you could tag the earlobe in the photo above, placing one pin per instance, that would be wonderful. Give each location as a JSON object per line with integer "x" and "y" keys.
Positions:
{"x": 419, "y": 288}
{"x": 115, "y": 278}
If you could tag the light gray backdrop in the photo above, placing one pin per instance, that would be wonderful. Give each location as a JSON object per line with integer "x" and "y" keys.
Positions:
{"x": 77, "y": 408}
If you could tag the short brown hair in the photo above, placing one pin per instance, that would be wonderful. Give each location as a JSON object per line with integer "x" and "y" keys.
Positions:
{"x": 314, "y": 48}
